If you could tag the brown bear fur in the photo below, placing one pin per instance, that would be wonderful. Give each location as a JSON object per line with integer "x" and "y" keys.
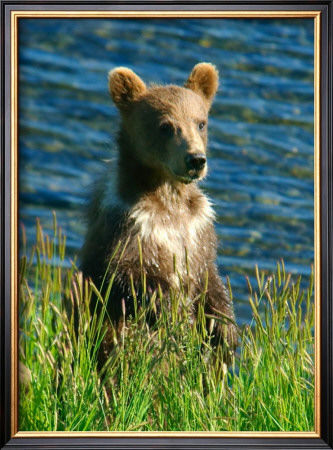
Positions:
{"x": 152, "y": 194}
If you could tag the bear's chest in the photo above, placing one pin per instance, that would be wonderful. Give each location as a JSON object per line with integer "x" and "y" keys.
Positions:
{"x": 173, "y": 237}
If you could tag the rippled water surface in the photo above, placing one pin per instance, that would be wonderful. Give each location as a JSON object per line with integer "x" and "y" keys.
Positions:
{"x": 260, "y": 132}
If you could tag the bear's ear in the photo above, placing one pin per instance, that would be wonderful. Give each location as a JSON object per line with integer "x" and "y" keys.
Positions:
{"x": 125, "y": 87}
{"x": 204, "y": 80}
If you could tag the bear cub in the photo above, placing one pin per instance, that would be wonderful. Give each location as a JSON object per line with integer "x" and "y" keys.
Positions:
{"x": 151, "y": 195}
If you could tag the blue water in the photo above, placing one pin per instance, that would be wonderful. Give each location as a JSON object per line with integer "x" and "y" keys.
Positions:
{"x": 260, "y": 132}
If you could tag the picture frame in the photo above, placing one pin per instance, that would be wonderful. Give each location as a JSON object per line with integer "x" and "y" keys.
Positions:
{"x": 321, "y": 12}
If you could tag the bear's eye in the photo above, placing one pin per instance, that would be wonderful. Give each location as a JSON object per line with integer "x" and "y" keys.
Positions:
{"x": 166, "y": 128}
{"x": 202, "y": 125}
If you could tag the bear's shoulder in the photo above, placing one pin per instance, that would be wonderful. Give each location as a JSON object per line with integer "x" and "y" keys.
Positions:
{"x": 106, "y": 193}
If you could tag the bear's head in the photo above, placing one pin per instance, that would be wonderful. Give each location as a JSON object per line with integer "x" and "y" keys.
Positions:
{"x": 165, "y": 127}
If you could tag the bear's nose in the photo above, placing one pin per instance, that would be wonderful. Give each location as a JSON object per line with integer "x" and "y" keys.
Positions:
{"x": 195, "y": 161}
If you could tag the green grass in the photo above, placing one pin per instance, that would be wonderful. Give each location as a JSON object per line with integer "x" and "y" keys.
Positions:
{"x": 164, "y": 378}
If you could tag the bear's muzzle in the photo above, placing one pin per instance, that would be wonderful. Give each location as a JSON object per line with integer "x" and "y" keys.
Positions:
{"x": 195, "y": 162}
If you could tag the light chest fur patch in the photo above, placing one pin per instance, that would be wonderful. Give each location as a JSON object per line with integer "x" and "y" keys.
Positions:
{"x": 171, "y": 230}
{"x": 174, "y": 234}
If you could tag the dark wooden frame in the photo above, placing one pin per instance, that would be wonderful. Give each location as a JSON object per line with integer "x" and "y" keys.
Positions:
{"x": 324, "y": 437}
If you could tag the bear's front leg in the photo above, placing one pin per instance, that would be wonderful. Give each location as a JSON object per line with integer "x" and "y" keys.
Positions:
{"x": 126, "y": 296}
{"x": 219, "y": 305}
